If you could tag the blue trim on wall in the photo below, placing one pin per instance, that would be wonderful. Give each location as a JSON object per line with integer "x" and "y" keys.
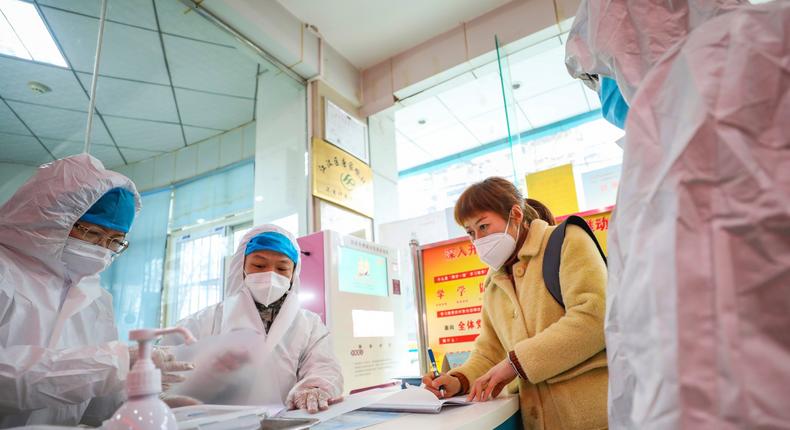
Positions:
{"x": 496, "y": 145}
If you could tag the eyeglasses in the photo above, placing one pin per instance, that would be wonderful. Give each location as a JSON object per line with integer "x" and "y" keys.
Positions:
{"x": 99, "y": 237}
{"x": 591, "y": 81}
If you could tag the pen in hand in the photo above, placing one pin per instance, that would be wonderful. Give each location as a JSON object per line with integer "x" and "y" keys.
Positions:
{"x": 435, "y": 369}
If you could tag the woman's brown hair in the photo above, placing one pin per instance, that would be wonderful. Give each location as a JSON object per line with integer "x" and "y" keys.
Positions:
{"x": 543, "y": 211}
{"x": 494, "y": 194}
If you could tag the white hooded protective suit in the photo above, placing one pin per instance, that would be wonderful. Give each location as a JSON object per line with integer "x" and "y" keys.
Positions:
{"x": 58, "y": 338}
{"x": 697, "y": 326}
{"x": 296, "y": 349}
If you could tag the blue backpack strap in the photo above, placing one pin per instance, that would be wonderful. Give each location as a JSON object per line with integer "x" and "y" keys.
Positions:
{"x": 553, "y": 252}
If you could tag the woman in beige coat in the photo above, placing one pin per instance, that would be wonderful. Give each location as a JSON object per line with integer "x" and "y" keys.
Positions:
{"x": 556, "y": 354}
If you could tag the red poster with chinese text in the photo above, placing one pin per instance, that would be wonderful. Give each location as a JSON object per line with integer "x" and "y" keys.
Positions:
{"x": 453, "y": 276}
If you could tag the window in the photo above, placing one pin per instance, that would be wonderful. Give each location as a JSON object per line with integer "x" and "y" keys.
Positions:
{"x": 589, "y": 147}
{"x": 24, "y": 35}
{"x": 196, "y": 276}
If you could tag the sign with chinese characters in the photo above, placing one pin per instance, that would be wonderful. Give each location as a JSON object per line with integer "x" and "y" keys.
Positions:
{"x": 600, "y": 186}
{"x": 453, "y": 276}
{"x": 598, "y": 220}
{"x": 341, "y": 178}
{"x": 346, "y": 132}
{"x": 555, "y": 188}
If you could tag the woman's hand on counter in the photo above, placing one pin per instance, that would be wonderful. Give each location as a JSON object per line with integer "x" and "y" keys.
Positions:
{"x": 452, "y": 386}
{"x": 491, "y": 384}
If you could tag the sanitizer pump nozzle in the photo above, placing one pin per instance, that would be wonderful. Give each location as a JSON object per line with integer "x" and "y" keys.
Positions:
{"x": 143, "y": 409}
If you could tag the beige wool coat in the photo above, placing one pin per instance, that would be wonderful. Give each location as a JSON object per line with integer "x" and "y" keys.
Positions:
{"x": 561, "y": 351}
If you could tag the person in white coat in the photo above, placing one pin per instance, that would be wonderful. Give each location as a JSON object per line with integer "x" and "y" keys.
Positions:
{"x": 59, "y": 348}
{"x": 262, "y": 294}
{"x": 697, "y": 327}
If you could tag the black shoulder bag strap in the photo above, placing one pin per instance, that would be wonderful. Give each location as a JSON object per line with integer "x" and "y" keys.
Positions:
{"x": 551, "y": 257}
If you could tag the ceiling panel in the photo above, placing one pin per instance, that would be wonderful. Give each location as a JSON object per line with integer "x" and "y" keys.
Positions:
{"x": 532, "y": 51}
{"x": 409, "y": 154}
{"x": 206, "y": 67}
{"x": 196, "y": 134}
{"x": 108, "y": 154}
{"x": 148, "y": 135}
{"x": 9, "y": 123}
{"x": 213, "y": 111}
{"x": 539, "y": 73}
{"x": 555, "y": 105}
{"x": 121, "y": 97}
{"x": 447, "y": 141}
{"x": 127, "y": 52}
{"x": 174, "y": 18}
{"x": 22, "y": 149}
{"x": 492, "y": 126}
{"x": 474, "y": 98}
{"x": 76, "y": 35}
{"x": 133, "y": 12}
{"x": 432, "y": 111}
{"x": 16, "y": 74}
{"x": 135, "y": 155}
{"x": 59, "y": 124}
{"x": 134, "y": 90}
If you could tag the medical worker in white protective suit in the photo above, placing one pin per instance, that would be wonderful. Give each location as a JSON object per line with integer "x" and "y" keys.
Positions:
{"x": 262, "y": 294}
{"x": 60, "y": 359}
{"x": 698, "y": 320}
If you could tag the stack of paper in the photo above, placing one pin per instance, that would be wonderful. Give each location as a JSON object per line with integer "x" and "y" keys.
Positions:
{"x": 416, "y": 400}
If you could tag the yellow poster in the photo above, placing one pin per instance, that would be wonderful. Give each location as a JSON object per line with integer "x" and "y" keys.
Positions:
{"x": 453, "y": 276}
{"x": 554, "y": 188}
{"x": 342, "y": 178}
{"x": 599, "y": 224}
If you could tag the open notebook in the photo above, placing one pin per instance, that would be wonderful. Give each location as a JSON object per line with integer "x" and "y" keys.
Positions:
{"x": 416, "y": 400}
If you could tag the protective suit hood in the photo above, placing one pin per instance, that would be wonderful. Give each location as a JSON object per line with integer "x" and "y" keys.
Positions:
{"x": 624, "y": 39}
{"x": 36, "y": 221}
{"x": 239, "y": 297}
{"x": 235, "y": 279}
{"x": 59, "y": 349}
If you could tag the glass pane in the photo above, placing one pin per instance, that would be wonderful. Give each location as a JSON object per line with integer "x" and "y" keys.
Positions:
{"x": 196, "y": 276}
{"x": 343, "y": 221}
{"x": 510, "y": 109}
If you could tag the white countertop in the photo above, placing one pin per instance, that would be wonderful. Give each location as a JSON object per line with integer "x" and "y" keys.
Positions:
{"x": 485, "y": 415}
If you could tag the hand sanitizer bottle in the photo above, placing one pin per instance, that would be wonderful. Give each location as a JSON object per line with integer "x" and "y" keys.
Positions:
{"x": 144, "y": 409}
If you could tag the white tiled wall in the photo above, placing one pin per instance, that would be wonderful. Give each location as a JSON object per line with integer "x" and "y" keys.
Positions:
{"x": 383, "y": 160}
{"x": 196, "y": 159}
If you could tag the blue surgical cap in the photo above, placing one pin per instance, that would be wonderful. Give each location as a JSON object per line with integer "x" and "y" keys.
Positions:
{"x": 613, "y": 106}
{"x": 272, "y": 241}
{"x": 114, "y": 210}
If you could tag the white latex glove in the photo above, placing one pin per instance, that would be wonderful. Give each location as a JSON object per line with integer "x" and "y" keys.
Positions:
{"x": 310, "y": 399}
{"x": 231, "y": 360}
{"x": 165, "y": 361}
{"x": 176, "y": 401}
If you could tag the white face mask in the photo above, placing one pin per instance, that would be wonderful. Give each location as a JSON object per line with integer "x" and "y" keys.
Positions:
{"x": 267, "y": 287}
{"x": 85, "y": 259}
{"x": 496, "y": 248}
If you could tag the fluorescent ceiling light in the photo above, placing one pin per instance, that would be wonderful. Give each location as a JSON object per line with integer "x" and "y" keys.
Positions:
{"x": 24, "y": 35}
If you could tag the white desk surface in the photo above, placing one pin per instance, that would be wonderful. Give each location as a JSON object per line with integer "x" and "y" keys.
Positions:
{"x": 485, "y": 415}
